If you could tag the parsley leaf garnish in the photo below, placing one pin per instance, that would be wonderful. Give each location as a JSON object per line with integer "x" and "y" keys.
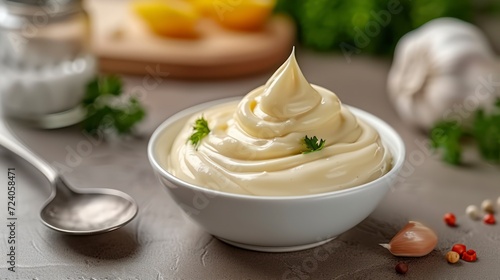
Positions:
{"x": 106, "y": 109}
{"x": 313, "y": 144}
{"x": 201, "y": 130}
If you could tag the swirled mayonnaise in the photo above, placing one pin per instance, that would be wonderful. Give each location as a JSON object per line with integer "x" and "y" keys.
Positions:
{"x": 256, "y": 145}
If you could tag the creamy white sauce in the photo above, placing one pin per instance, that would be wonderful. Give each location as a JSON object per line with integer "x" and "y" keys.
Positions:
{"x": 255, "y": 146}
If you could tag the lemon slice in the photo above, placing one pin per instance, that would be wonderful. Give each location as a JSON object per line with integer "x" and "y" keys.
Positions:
{"x": 171, "y": 18}
{"x": 204, "y": 7}
{"x": 241, "y": 14}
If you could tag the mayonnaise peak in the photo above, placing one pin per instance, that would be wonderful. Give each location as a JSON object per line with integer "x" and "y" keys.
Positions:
{"x": 287, "y": 93}
{"x": 255, "y": 146}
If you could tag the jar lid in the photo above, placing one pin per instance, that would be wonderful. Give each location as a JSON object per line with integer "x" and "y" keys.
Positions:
{"x": 30, "y": 8}
{"x": 41, "y": 3}
{"x": 15, "y": 13}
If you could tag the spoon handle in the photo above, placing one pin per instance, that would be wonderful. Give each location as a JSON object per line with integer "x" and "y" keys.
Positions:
{"x": 12, "y": 144}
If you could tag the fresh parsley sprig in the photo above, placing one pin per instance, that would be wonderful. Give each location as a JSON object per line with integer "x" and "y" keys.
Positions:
{"x": 106, "y": 110}
{"x": 447, "y": 136}
{"x": 313, "y": 144}
{"x": 486, "y": 131}
{"x": 200, "y": 130}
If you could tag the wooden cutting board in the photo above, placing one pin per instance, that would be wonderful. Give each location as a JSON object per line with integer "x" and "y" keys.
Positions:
{"x": 124, "y": 44}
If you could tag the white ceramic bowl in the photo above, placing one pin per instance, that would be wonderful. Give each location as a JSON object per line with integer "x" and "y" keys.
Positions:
{"x": 273, "y": 224}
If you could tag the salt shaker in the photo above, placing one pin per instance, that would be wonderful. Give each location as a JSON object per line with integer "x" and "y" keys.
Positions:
{"x": 45, "y": 60}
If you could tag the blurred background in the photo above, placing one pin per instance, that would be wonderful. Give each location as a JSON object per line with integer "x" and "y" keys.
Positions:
{"x": 51, "y": 50}
{"x": 325, "y": 25}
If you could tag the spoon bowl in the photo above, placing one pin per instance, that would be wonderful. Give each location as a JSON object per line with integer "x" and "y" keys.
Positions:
{"x": 88, "y": 211}
{"x": 72, "y": 211}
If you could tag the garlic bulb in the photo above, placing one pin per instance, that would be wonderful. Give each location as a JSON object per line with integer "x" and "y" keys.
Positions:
{"x": 413, "y": 240}
{"x": 445, "y": 69}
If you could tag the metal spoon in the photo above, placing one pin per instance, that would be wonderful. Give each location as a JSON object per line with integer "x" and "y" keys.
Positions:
{"x": 71, "y": 211}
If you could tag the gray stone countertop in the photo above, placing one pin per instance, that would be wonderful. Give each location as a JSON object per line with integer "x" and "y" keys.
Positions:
{"x": 161, "y": 243}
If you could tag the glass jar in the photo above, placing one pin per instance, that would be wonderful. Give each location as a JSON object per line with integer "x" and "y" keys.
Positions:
{"x": 45, "y": 60}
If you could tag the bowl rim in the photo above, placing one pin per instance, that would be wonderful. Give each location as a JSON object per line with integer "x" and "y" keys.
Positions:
{"x": 376, "y": 122}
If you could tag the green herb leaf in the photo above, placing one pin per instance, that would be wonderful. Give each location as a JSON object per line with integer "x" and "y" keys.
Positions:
{"x": 446, "y": 136}
{"x": 126, "y": 117}
{"x": 106, "y": 111}
{"x": 313, "y": 144}
{"x": 345, "y": 25}
{"x": 111, "y": 84}
{"x": 486, "y": 131}
{"x": 201, "y": 130}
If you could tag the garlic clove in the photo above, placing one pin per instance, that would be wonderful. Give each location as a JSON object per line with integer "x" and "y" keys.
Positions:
{"x": 413, "y": 240}
{"x": 487, "y": 206}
